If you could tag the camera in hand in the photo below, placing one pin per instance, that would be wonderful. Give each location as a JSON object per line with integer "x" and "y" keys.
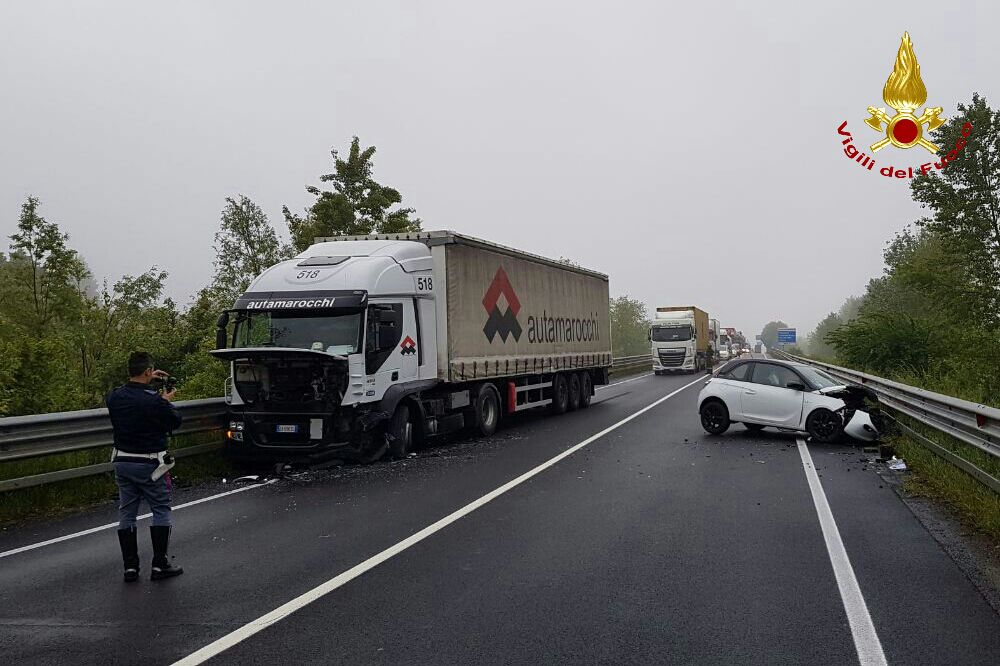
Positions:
{"x": 166, "y": 385}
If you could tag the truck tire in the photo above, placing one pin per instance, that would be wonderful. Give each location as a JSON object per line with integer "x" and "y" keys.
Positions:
{"x": 560, "y": 395}
{"x": 586, "y": 389}
{"x": 487, "y": 408}
{"x": 399, "y": 432}
{"x": 573, "y": 383}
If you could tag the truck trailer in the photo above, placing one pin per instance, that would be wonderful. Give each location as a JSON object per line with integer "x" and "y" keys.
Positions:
{"x": 366, "y": 345}
{"x": 679, "y": 338}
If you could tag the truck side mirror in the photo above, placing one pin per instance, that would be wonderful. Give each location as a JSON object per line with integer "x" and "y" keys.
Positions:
{"x": 386, "y": 336}
{"x": 220, "y": 330}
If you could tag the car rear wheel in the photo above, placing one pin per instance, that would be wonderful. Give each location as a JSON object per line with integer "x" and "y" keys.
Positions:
{"x": 824, "y": 426}
{"x": 714, "y": 417}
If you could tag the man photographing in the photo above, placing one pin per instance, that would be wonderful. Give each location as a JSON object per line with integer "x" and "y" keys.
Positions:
{"x": 141, "y": 418}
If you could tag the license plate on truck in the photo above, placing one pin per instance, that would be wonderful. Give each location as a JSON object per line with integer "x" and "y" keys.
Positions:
{"x": 286, "y": 428}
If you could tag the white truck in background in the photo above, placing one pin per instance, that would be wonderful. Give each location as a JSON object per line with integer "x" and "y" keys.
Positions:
{"x": 365, "y": 345}
{"x": 679, "y": 339}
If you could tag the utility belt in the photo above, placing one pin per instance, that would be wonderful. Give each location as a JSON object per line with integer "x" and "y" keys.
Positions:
{"x": 163, "y": 460}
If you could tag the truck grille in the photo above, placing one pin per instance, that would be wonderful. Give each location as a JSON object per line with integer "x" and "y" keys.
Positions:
{"x": 672, "y": 358}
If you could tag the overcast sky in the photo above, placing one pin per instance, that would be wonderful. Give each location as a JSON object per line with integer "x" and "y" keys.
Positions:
{"x": 689, "y": 150}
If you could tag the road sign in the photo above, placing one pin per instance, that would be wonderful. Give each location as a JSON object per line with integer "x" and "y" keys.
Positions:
{"x": 758, "y": 337}
{"x": 786, "y": 336}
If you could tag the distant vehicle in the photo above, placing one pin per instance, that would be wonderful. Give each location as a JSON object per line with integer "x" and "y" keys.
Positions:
{"x": 757, "y": 348}
{"x": 787, "y": 395}
{"x": 679, "y": 339}
{"x": 724, "y": 352}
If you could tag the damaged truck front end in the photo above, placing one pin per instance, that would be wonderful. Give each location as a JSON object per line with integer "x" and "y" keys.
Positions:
{"x": 290, "y": 371}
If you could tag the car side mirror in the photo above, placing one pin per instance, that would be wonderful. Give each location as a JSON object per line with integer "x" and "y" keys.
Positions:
{"x": 796, "y": 386}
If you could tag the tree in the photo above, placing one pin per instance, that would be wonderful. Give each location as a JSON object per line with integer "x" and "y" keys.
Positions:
{"x": 769, "y": 336}
{"x": 245, "y": 245}
{"x": 357, "y": 205}
{"x": 629, "y": 327}
{"x": 964, "y": 197}
{"x": 51, "y": 274}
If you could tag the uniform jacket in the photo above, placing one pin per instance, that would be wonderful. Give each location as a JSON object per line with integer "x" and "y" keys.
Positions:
{"x": 141, "y": 418}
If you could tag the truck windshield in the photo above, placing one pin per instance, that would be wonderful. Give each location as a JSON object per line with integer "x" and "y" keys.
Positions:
{"x": 671, "y": 333}
{"x": 330, "y": 332}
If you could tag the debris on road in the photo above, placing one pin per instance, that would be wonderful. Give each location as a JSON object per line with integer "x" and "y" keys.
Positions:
{"x": 897, "y": 464}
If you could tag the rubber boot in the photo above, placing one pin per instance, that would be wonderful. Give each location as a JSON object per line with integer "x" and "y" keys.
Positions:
{"x": 130, "y": 553}
{"x": 160, "y": 534}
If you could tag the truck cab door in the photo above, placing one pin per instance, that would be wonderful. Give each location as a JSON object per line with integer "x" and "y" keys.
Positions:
{"x": 390, "y": 347}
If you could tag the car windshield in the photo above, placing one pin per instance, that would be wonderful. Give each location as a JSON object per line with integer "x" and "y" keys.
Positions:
{"x": 330, "y": 332}
{"x": 671, "y": 333}
{"x": 817, "y": 378}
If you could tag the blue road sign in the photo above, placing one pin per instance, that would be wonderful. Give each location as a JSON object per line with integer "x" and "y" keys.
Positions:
{"x": 786, "y": 336}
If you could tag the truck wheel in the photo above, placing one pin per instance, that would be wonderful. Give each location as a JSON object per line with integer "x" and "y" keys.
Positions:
{"x": 573, "y": 382}
{"x": 586, "y": 389}
{"x": 487, "y": 410}
{"x": 560, "y": 395}
{"x": 399, "y": 432}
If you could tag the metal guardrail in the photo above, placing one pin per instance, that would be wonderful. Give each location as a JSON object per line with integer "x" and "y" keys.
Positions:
{"x": 623, "y": 363}
{"x": 38, "y": 435}
{"x": 974, "y": 424}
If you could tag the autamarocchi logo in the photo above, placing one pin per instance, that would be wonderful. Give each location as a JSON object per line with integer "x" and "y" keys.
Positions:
{"x": 408, "y": 346}
{"x": 905, "y": 92}
{"x": 502, "y": 323}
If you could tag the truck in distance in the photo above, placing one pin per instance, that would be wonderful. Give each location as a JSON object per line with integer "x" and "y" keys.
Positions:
{"x": 679, "y": 339}
{"x": 365, "y": 345}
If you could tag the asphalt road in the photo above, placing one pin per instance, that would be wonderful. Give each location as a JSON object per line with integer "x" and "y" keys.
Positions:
{"x": 653, "y": 543}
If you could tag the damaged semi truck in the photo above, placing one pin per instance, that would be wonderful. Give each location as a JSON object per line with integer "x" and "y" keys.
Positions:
{"x": 366, "y": 345}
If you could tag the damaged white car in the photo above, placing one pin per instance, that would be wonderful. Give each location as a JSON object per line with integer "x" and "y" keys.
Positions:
{"x": 786, "y": 395}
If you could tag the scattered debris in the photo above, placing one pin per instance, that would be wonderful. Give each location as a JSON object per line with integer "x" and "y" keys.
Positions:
{"x": 244, "y": 479}
{"x": 762, "y": 462}
{"x": 897, "y": 464}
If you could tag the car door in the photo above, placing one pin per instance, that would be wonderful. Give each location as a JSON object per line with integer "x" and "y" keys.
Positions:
{"x": 767, "y": 398}
{"x": 732, "y": 382}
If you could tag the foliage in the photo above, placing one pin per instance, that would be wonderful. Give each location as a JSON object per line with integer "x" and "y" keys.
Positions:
{"x": 245, "y": 245}
{"x": 769, "y": 335}
{"x": 357, "y": 205}
{"x": 629, "y": 327}
{"x": 932, "y": 318}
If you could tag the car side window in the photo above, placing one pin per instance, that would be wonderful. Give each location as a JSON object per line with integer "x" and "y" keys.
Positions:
{"x": 740, "y": 373}
{"x": 774, "y": 375}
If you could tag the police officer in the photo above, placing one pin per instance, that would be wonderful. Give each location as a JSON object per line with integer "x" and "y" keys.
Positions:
{"x": 141, "y": 418}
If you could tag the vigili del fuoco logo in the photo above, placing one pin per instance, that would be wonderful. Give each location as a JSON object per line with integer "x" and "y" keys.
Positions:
{"x": 904, "y": 92}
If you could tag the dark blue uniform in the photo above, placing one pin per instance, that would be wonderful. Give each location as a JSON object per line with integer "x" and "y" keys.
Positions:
{"x": 141, "y": 419}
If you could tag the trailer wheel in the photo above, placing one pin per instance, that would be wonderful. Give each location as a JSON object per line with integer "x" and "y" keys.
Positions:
{"x": 573, "y": 383}
{"x": 487, "y": 410}
{"x": 586, "y": 389}
{"x": 560, "y": 395}
{"x": 399, "y": 432}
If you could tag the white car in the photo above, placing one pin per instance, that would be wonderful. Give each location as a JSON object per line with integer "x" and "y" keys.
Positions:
{"x": 723, "y": 353}
{"x": 791, "y": 396}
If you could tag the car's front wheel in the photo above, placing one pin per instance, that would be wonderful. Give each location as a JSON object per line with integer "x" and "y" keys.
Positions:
{"x": 714, "y": 417}
{"x": 824, "y": 426}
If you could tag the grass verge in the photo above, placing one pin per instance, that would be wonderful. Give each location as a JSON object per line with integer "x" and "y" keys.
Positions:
{"x": 976, "y": 504}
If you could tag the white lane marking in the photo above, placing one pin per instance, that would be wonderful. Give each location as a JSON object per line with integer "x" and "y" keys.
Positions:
{"x": 249, "y": 629}
{"x": 866, "y": 641}
{"x": 624, "y": 381}
{"x": 66, "y": 537}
